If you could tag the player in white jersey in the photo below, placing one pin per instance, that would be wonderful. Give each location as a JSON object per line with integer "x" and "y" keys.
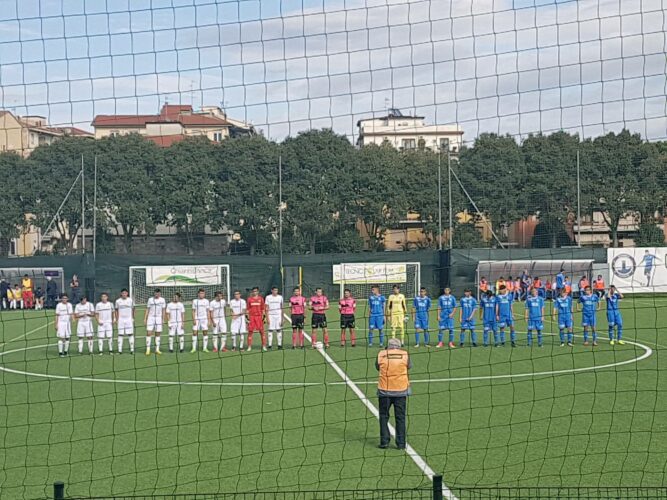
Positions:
{"x": 64, "y": 314}
{"x": 200, "y": 317}
{"x": 217, "y": 308}
{"x": 274, "y": 313}
{"x": 153, "y": 318}
{"x": 125, "y": 320}
{"x": 84, "y": 312}
{"x": 239, "y": 310}
{"x": 175, "y": 318}
{"x": 105, "y": 320}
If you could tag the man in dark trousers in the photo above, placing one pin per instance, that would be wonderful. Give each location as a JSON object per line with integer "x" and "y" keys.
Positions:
{"x": 51, "y": 293}
{"x": 4, "y": 287}
{"x": 393, "y": 364}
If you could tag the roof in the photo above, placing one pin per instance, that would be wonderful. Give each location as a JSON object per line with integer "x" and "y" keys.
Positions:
{"x": 170, "y": 113}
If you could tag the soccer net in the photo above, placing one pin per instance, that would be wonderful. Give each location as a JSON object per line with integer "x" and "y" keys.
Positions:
{"x": 360, "y": 278}
{"x": 186, "y": 280}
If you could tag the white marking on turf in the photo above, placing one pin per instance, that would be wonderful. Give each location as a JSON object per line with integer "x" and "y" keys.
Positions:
{"x": 412, "y": 453}
{"x": 35, "y": 330}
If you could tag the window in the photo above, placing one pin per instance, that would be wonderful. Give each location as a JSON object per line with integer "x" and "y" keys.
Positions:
{"x": 12, "y": 247}
{"x": 115, "y": 133}
{"x": 444, "y": 143}
{"x": 409, "y": 144}
{"x": 217, "y": 136}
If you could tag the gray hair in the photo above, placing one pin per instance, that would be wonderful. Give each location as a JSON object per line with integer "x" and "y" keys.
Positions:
{"x": 394, "y": 344}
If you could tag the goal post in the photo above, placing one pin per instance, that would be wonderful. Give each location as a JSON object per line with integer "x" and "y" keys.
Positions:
{"x": 361, "y": 277}
{"x": 184, "y": 279}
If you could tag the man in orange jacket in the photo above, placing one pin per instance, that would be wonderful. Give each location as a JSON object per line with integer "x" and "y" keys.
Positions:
{"x": 393, "y": 364}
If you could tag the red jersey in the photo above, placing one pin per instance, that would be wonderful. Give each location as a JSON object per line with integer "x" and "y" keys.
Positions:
{"x": 319, "y": 303}
{"x": 348, "y": 306}
{"x": 255, "y": 306}
{"x": 298, "y": 304}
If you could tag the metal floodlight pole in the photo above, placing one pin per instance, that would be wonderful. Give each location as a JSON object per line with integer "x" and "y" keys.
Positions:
{"x": 83, "y": 208}
{"x": 439, "y": 199}
{"x": 95, "y": 210}
{"x": 280, "y": 217}
{"x": 578, "y": 202}
{"x": 451, "y": 218}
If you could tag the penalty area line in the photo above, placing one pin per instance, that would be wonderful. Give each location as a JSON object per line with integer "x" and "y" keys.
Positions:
{"x": 412, "y": 453}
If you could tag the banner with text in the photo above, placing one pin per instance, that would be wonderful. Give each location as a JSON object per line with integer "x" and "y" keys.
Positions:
{"x": 638, "y": 270}
{"x": 364, "y": 273}
{"x": 183, "y": 275}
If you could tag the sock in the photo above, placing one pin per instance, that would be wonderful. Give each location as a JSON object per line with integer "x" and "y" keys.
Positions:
{"x": 585, "y": 335}
{"x": 279, "y": 334}
{"x": 205, "y": 344}
{"x": 241, "y": 339}
{"x": 402, "y": 335}
{"x": 619, "y": 332}
{"x": 313, "y": 337}
{"x": 100, "y": 344}
{"x": 110, "y": 344}
{"x": 131, "y": 340}
{"x": 570, "y": 337}
{"x": 270, "y": 338}
{"x": 473, "y": 336}
{"x": 326, "y": 337}
{"x": 381, "y": 337}
{"x": 502, "y": 336}
{"x": 611, "y": 333}
{"x": 530, "y": 337}
{"x": 462, "y": 337}
{"x": 263, "y": 337}
{"x": 416, "y": 338}
{"x": 250, "y": 334}
{"x": 90, "y": 346}
{"x": 595, "y": 336}
{"x": 561, "y": 334}
{"x": 301, "y": 338}
{"x": 485, "y": 337}
{"x": 513, "y": 335}
{"x": 157, "y": 343}
{"x": 451, "y": 335}
{"x": 353, "y": 337}
{"x": 194, "y": 342}
{"x": 181, "y": 342}
{"x": 66, "y": 345}
{"x": 441, "y": 336}
{"x": 120, "y": 344}
{"x": 370, "y": 338}
{"x": 148, "y": 343}
{"x": 539, "y": 337}
{"x": 427, "y": 337}
{"x": 293, "y": 338}
{"x": 223, "y": 341}
{"x": 496, "y": 338}
{"x": 342, "y": 337}
{"x": 215, "y": 342}
{"x": 60, "y": 346}
{"x": 171, "y": 342}
{"x": 80, "y": 345}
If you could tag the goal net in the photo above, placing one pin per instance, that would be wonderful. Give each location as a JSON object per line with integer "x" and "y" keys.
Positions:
{"x": 186, "y": 280}
{"x": 361, "y": 277}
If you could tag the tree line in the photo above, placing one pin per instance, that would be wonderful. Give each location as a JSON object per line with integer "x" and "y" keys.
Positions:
{"x": 331, "y": 190}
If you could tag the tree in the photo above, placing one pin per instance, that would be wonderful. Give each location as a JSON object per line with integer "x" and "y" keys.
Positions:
{"x": 466, "y": 236}
{"x": 649, "y": 235}
{"x": 15, "y": 201}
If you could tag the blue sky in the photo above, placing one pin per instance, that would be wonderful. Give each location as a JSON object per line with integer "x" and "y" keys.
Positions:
{"x": 517, "y": 67}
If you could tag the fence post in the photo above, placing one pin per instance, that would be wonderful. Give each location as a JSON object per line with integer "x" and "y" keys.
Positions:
{"x": 58, "y": 490}
{"x": 437, "y": 487}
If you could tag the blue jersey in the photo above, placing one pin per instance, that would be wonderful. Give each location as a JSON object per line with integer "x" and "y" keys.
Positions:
{"x": 534, "y": 305}
{"x": 589, "y": 303}
{"x": 613, "y": 301}
{"x": 564, "y": 307}
{"x": 376, "y": 304}
{"x": 422, "y": 305}
{"x": 468, "y": 307}
{"x": 560, "y": 280}
{"x": 504, "y": 305}
{"x": 489, "y": 307}
{"x": 648, "y": 260}
{"x": 447, "y": 304}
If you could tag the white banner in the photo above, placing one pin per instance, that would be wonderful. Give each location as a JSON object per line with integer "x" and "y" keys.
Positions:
{"x": 183, "y": 275}
{"x": 638, "y": 270}
{"x": 368, "y": 273}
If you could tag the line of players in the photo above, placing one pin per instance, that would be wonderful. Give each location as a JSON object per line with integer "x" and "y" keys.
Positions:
{"x": 249, "y": 316}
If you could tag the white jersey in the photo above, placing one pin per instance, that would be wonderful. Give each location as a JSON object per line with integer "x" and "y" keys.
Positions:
{"x": 200, "y": 308}
{"x": 104, "y": 311}
{"x": 238, "y": 306}
{"x": 86, "y": 311}
{"x": 175, "y": 312}
{"x": 274, "y": 304}
{"x": 217, "y": 309}
{"x": 64, "y": 312}
{"x": 156, "y": 307}
{"x": 125, "y": 308}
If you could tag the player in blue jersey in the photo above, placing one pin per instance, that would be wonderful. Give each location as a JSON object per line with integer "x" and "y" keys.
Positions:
{"x": 446, "y": 310}
{"x": 487, "y": 314}
{"x": 590, "y": 303}
{"x": 535, "y": 316}
{"x": 648, "y": 262}
{"x": 421, "y": 306}
{"x": 467, "y": 317}
{"x": 614, "y": 317}
{"x": 376, "y": 304}
{"x": 560, "y": 280}
{"x": 505, "y": 317}
{"x": 563, "y": 307}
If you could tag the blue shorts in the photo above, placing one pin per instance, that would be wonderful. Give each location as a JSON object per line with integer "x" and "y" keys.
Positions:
{"x": 468, "y": 325}
{"x": 490, "y": 326}
{"x": 614, "y": 318}
{"x": 504, "y": 322}
{"x": 589, "y": 320}
{"x": 535, "y": 325}
{"x": 564, "y": 323}
{"x": 421, "y": 322}
{"x": 446, "y": 324}
{"x": 376, "y": 322}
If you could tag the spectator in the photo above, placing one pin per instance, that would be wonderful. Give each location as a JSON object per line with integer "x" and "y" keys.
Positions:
{"x": 393, "y": 364}
{"x": 74, "y": 289}
{"x": 26, "y": 286}
{"x": 39, "y": 298}
{"x": 4, "y": 288}
{"x": 51, "y": 293}
{"x": 16, "y": 297}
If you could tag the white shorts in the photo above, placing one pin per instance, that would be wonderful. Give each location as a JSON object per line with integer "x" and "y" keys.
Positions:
{"x": 239, "y": 326}
{"x": 176, "y": 328}
{"x": 220, "y": 327}
{"x": 154, "y": 324}
{"x": 275, "y": 322}
{"x": 84, "y": 329}
{"x": 125, "y": 327}
{"x": 201, "y": 325}
{"x": 105, "y": 330}
{"x": 64, "y": 330}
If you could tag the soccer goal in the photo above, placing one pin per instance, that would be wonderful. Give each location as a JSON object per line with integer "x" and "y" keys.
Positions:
{"x": 187, "y": 280}
{"x": 361, "y": 277}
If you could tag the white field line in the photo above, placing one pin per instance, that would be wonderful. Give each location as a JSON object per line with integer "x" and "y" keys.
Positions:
{"x": 412, "y": 453}
{"x": 35, "y": 330}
